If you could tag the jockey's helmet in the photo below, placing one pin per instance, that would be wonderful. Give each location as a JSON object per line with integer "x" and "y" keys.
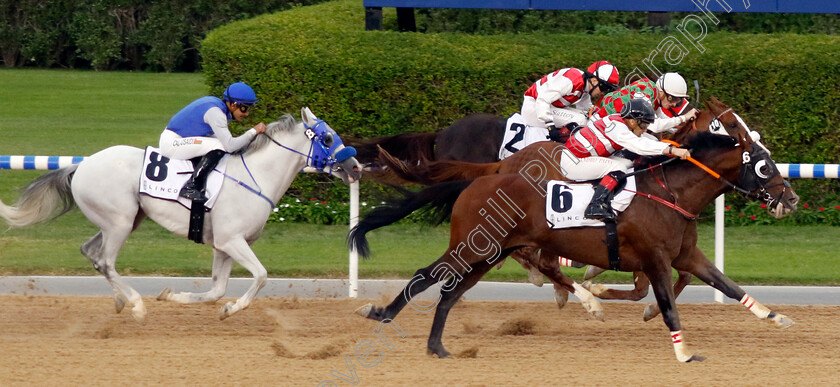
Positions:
{"x": 639, "y": 109}
{"x": 672, "y": 84}
{"x": 240, "y": 92}
{"x": 606, "y": 73}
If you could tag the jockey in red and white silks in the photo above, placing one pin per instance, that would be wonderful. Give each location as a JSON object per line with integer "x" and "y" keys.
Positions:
{"x": 548, "y": 102}
{"x": 591, "y": 151}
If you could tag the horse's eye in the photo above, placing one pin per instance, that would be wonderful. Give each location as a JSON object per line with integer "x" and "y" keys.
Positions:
{"x": 328, "y": 140}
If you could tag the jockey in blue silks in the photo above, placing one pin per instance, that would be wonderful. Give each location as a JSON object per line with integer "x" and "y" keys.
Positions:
{"x": 201, "y": 129}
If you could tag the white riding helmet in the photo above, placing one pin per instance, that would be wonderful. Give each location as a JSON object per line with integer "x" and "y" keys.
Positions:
{"x": 672, "y": 84}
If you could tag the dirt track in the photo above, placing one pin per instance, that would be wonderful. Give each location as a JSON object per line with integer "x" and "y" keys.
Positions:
{"x": 73, "y": 340}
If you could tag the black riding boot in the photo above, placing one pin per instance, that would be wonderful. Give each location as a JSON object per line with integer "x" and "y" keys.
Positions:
{"x": 599, "y": 208}
{"x": 194, "y": 188}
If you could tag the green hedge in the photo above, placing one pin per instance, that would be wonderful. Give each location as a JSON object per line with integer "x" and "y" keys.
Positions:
{"x": 371, "y": 83}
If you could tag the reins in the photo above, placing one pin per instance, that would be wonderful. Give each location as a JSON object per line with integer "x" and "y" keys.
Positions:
{"x": 673, "y": 205}
{"x": 258, "y": 191}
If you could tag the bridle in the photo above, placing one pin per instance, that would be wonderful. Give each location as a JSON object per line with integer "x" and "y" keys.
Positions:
{"x": 750, "y": 177}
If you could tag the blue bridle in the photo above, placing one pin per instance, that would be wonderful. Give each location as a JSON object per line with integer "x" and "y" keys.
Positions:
{"x": 324, "y": 143}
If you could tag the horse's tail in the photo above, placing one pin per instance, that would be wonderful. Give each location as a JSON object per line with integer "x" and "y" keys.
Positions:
{"x": 433, "y": 172}
{"x": 41, "y": 199}
{"x": 405, "y": 146}
{"x": 437, "y": 199}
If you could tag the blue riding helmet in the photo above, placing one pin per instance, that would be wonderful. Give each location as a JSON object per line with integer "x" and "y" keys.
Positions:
{"x": 240, "y": 92}
{"x": 325, "y": 146}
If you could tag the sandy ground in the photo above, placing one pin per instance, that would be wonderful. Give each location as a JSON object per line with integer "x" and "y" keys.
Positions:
{"x": 46, "y": 340}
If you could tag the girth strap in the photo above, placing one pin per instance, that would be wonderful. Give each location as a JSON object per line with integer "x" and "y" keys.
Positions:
{"x": 612, "y": 244}
{"x": 196, "y": 230}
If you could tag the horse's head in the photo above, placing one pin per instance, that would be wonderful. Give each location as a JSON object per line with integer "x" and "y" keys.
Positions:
{"x": 328, "y": 152}
{"x": 759, "y": 177}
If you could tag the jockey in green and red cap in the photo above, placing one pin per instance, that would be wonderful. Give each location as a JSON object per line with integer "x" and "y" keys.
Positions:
{"x": 667, "y": 96}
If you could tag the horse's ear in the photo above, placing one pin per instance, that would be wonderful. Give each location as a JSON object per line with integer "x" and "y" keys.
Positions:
{"x": 307, "y": 116}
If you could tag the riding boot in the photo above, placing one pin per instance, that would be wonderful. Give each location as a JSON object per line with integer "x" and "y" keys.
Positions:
{"x": 599, "y": 208}
{"x": 194, "y": 188}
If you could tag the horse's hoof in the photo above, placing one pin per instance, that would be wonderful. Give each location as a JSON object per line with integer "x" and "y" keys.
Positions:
{"x": 586, "y": 284}
{"x": 440, "y": 353}
{"x": 597, "y": 290}
{"x": 695, "y": 357}
{"x": 651, "y": 311}
{"x": 226, "y": 311}
{"x": 139, "y": 313}
{"x": 782, "y": 322}
{"x": 164, "y": 295}
{"x": 535, "y": 277}
{"x": 119, "y": 302}
{"x": 364, "y": 310}
{"x": 592, "y": 272}
{"x": 561, "y": 297}
{"x": 598, "y": 315}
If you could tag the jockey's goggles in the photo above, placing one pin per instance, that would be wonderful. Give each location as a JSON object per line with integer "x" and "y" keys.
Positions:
{"x": 607, "y": 87}
{"x": 672, "y": 99}
{"x": 243, "y": 107}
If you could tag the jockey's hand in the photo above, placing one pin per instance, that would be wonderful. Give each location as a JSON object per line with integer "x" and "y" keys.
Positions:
{"x": 260, "y": 128}
{"x": 677, "y": 152}
{"x": 692, "y": 114}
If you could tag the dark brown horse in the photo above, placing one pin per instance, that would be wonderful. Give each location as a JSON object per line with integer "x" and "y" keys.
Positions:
{"x": 475, "y": 138}
{"x": 494, "y": 215}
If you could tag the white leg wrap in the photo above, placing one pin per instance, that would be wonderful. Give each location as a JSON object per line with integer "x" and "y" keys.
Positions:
{"x": 754, "y": 306}
{"x": 589, "y": 302}
{"x": 680, "y": 348}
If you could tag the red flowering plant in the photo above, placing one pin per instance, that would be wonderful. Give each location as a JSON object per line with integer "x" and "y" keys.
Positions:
{"x": 756, "y": 213}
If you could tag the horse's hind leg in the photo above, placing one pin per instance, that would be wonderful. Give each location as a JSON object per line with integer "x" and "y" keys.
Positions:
{"x": 450, "y": 293}
{"x": 222, "y": 264}
{"x": 550, "y": 266}
{"x": 422, "y": 280}
{"x": 102, "y": 251}
{"x": 696, "y": 263}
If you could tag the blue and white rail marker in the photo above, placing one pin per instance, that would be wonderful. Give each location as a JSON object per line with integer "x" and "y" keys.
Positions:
{"x": 809, "y": 171}
{"x": 38, "y": 162}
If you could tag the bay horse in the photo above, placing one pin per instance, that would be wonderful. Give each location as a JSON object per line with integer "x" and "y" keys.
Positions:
{"x": 494, "y": 215}
{"x": 533, "y": 161}
{"x": 105, "y": 186}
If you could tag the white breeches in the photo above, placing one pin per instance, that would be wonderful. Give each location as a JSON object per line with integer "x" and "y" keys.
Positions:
{"x": 529, "y": 113}
{"x": 184, "y": 148}
{"x": 560, "y": 116}
{"x": 592, "y": 167}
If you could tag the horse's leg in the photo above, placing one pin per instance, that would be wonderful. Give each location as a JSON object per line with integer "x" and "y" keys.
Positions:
{"x": 102, "y": 251}
{"x": 422, "y": 280}
{"x": 222, "y": 264}
{"x": 450, "y": 293}
{"x": 239, "y": 250}
{"x": 526, "y": 255}
{"x": 550, "y": 266}
{"x": 683, "y": 279}
{"x": 696, "y": 263}
{"x": 640, "y": 289}
{"x": 660, "y": 278}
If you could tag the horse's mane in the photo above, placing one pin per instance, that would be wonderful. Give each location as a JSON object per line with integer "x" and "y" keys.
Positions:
{"x": 283, "y": 124}
{"x": 698, "y": 143}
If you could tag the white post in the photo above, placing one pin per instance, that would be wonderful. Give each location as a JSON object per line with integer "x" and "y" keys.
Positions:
{"x": 354, "y": 255}
{"x": 719, "y": 207}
